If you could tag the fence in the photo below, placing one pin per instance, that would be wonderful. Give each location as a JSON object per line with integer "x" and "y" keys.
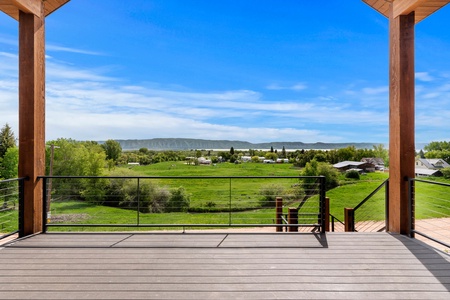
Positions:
{"x": 11, "y": 197}
{"x": 430, "y": 212}
{"x": 371, "y": 214}
{"x": 83, "y": 203}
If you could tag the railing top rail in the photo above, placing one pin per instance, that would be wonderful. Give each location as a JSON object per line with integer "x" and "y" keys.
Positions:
{"x": 179, "y": 177}
{"x": 12, "y": 179}
{"x": 430, "y": 182}
{"x": 371, "y": 195}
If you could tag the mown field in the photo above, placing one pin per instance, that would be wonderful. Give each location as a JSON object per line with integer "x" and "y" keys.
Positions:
{"x": 237, "y": 200}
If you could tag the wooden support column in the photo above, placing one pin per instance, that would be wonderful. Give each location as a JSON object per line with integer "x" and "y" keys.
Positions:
{"x": 401, "y": 119}
{"x": 32, "y": 114}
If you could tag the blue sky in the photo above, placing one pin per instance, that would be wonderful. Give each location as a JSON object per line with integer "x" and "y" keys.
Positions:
{"x": 253, "y": 70}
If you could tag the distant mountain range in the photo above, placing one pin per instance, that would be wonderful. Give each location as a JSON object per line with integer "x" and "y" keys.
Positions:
{"x": 199, "y": 144}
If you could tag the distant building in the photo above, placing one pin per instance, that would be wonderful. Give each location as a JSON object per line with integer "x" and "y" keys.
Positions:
{"x": 376, "y": 161}
{"x": 359, "y": 166}
{"x": 282, "y": 160}
{"x": 431, "y": 163}
{"x": 204, "y": 161}
{"x": 246, "y": 158}
{"x": 430, "y": 166}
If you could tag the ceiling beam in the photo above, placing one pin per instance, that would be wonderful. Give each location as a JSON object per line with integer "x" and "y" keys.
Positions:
{"x": 422, "y": 8}
{"x": 12, "y": 7}
{"x": 27, "y": 6}
{"x": 405, "y": 7}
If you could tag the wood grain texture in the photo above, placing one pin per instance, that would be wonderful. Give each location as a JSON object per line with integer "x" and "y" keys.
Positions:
{"x": 401, "y": 120}
{"x": 422, "y": 8}
{"x": 223, "y": 266}
{"x": 32, "y": 116}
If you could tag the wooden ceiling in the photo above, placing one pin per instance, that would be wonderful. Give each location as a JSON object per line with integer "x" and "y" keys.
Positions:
{"x": 422, "y": 8}
{"x": 11, "y": 7}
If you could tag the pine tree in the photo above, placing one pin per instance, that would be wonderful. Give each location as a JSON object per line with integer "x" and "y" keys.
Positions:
{"x": 7, "y": 139}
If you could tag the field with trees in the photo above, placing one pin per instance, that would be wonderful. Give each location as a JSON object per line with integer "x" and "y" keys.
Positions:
{"x": 166, "y": 198}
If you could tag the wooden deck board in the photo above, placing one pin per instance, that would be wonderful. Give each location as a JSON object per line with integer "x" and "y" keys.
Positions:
{"x": 223, "y": 266}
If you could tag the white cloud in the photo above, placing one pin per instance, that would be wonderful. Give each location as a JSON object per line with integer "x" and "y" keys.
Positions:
{"x": 375, "y": 90}
{"x": 424, "y": 76}
{"x": 55, "y": 48}
{"x": 296, "y": 87}
{"x": 88, "y": 104}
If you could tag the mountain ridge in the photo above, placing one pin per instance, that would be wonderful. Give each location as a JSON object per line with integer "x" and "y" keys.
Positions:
{"x": 204, "y": 144}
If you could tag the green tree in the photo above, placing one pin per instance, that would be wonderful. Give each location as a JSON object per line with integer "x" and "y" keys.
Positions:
{"x": 315, "y": 168}
{"x": 179, "y": 201}
{"x": 231, "y": 151}
{"x": 437, "y": 146}
{"x": 75, "y": 158}
{"x": 112, "y": 149}
{"x": 381, "y": 152}
{"x": 443, "y": 154}
{"x": 446, "y": 172}
{"x": 271, "y": 155}
{"x": 9, "y": 163}
{"x": 7, "y": 139}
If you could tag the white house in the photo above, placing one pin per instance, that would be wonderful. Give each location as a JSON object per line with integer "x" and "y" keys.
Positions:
{"x": 430, "y": 166}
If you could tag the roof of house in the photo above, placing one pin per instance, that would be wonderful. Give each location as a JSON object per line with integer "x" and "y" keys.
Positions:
{"x": 374, "y": 160}
{"x": 348, "y": 163}
{"x": 434, "y": 163}
{"x": 424, "y": 171}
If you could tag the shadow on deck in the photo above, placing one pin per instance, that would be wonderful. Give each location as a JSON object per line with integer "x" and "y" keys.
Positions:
{"x": 223, "y": 266}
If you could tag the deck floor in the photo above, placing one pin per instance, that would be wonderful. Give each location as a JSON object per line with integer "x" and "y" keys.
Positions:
{"x": 222, "y": 266}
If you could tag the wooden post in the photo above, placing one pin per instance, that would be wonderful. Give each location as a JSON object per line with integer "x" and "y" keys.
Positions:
{"x": 293, "y": 219}
{"x": 279, "y": 213}
{"x": 349, "y": 219}
{"x": 32, "y": 115}
{"x": 401, "y": 119}
{"x": 327, "y": 214}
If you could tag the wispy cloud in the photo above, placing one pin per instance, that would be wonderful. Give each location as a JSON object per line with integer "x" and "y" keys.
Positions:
{"x": 55, "y": 48}
{"x": 89, "y": 104}
{"x": 424, "y": 76}
{"x": 296, "y": 87}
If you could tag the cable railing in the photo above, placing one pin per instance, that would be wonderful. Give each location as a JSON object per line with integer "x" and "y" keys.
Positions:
{"x": 151, "y": 203}
{"x": 336, "y": 224}
{"x": 371, "y": 214}
{"x": 430, "y": 212}
{"x": 11, "y": 197}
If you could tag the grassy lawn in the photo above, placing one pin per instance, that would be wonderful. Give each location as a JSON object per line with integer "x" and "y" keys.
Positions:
{"x": 240, "y": 195}
{"x": 352, "y": 193}
{"x": 78, "y": 212}
{"x": 222, "y": 193}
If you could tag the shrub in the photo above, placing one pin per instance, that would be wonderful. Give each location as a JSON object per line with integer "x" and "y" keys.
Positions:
{"x": 179, "y": 201}
{"x": 269, "y": 194}
{"x": 314, "y": 168}
{"x": 446, "y": 172}
{"x": 352, "y": 174}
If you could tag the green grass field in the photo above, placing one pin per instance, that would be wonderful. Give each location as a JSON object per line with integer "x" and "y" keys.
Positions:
{"x": 237, "y": 201}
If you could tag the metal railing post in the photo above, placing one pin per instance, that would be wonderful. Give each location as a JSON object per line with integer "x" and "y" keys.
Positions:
{"x": 322, "y": 182}
{"x": 386, "y": 204}
{"x": 21, "y": 205}
{"x": 411, "y": 208}
{"x": 327, "y": 214}
{"x": 229, "y": 207}
{"x": 279, "y": 213}
{"x": 138, "y": 202}
{"x": 45, "y": 210}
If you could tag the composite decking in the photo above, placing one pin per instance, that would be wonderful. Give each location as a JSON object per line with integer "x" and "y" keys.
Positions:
{"x": 222, "y": 266}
